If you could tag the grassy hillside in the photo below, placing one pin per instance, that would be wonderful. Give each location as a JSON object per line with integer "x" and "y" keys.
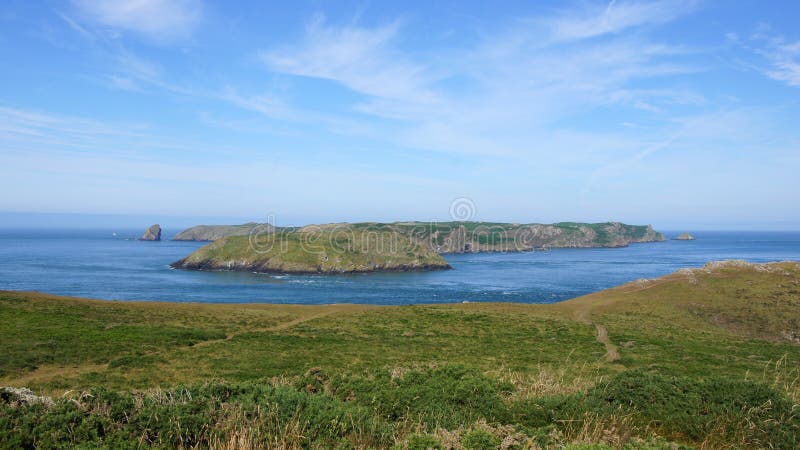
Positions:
{"x": 705, "y": 358}
{"x": 318, "y": 251}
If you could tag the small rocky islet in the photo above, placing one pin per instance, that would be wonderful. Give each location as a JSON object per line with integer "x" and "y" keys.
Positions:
{"x": 153, "y": 233}
{"x": 684, "y": 237}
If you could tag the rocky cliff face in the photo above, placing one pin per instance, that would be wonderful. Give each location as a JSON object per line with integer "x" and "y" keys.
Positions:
{"x": 152, "y": 234}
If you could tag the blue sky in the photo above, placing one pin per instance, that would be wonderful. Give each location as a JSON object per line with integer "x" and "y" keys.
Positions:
{"x": 679, "y": 113}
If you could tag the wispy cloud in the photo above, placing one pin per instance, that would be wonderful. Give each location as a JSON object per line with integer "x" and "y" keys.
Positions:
{"x": 502, "y": 93}
{"x": 779, "y": 57}
{"x": 363, "y": 59}
{"x": 785, "y": 63}
{"x": 116, "y": 164}
{"x": 25, "y": 131}
{"x": 615, "y": 17}
{"x": 76, "y": 26}
{"x": 157, "y": 19}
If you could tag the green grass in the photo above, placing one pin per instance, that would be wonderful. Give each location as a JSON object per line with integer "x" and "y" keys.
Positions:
{"x": 705, "y": 358}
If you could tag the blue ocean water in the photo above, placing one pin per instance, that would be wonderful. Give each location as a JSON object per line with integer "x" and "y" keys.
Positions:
{"x": 97, "y": 264}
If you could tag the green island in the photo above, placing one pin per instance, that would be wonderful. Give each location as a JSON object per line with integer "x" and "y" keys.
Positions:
{"x": 464, "y": 237}
{"x": 325, "y": 250}
{"x": 701, "y": 358}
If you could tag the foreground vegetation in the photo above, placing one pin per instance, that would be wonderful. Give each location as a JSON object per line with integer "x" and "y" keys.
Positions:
{"x": 703, "y": 358}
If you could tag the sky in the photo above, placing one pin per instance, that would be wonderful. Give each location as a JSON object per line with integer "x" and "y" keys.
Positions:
{"x": 683, "y": 114}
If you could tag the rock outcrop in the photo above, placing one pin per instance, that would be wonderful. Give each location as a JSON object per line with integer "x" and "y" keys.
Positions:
{"x": 685, "y": 237}
{"x": 16, "y": 397}
{"x": 152, "y": 234}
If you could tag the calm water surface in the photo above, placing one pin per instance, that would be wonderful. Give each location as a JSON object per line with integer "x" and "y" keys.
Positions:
{"x": 97, "y": 264}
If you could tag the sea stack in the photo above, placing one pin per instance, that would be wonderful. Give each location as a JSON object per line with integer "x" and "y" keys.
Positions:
{"x": 152, "y": 234}
{"x": 685, "y": 237}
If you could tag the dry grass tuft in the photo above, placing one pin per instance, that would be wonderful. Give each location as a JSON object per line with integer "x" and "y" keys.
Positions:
{"x": 781, "y": 375}
{"x": 567, "y": 378}
{"x": 615, "y": 430}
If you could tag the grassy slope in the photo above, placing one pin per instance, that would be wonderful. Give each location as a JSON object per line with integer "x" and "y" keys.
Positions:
{"x": 731, "y": 321}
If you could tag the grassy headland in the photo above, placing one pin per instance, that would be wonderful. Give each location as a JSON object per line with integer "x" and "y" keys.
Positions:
{"x": 317, "y": 251}
{"x": 704, "y": 357}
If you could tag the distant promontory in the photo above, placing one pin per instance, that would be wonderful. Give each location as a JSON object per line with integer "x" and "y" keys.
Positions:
{"x": 468, "y": 237}
{"x": 213, "y": 232}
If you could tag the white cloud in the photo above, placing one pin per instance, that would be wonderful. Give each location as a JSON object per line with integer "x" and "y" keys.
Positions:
{"x": 362, "y": 59}
{"x": 785, "y": 63}
{"x": 615, "y": 17}
{"x": 780, "y": 59}
{"x": 157, "y": 19}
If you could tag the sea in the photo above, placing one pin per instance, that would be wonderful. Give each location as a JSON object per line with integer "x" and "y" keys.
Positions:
{"x": 113, "y": 265}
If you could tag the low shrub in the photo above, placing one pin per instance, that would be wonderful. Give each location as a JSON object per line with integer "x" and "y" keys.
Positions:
{"x": 192, "y": 417}
{"x": 747, "y": 412}
{"x": 424, "y": 442}
{"x": 446, "y": 397}
{"x": 714, "y": 411}
{"x": 480, "y": 440}
{"x": 454, "y": 404}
